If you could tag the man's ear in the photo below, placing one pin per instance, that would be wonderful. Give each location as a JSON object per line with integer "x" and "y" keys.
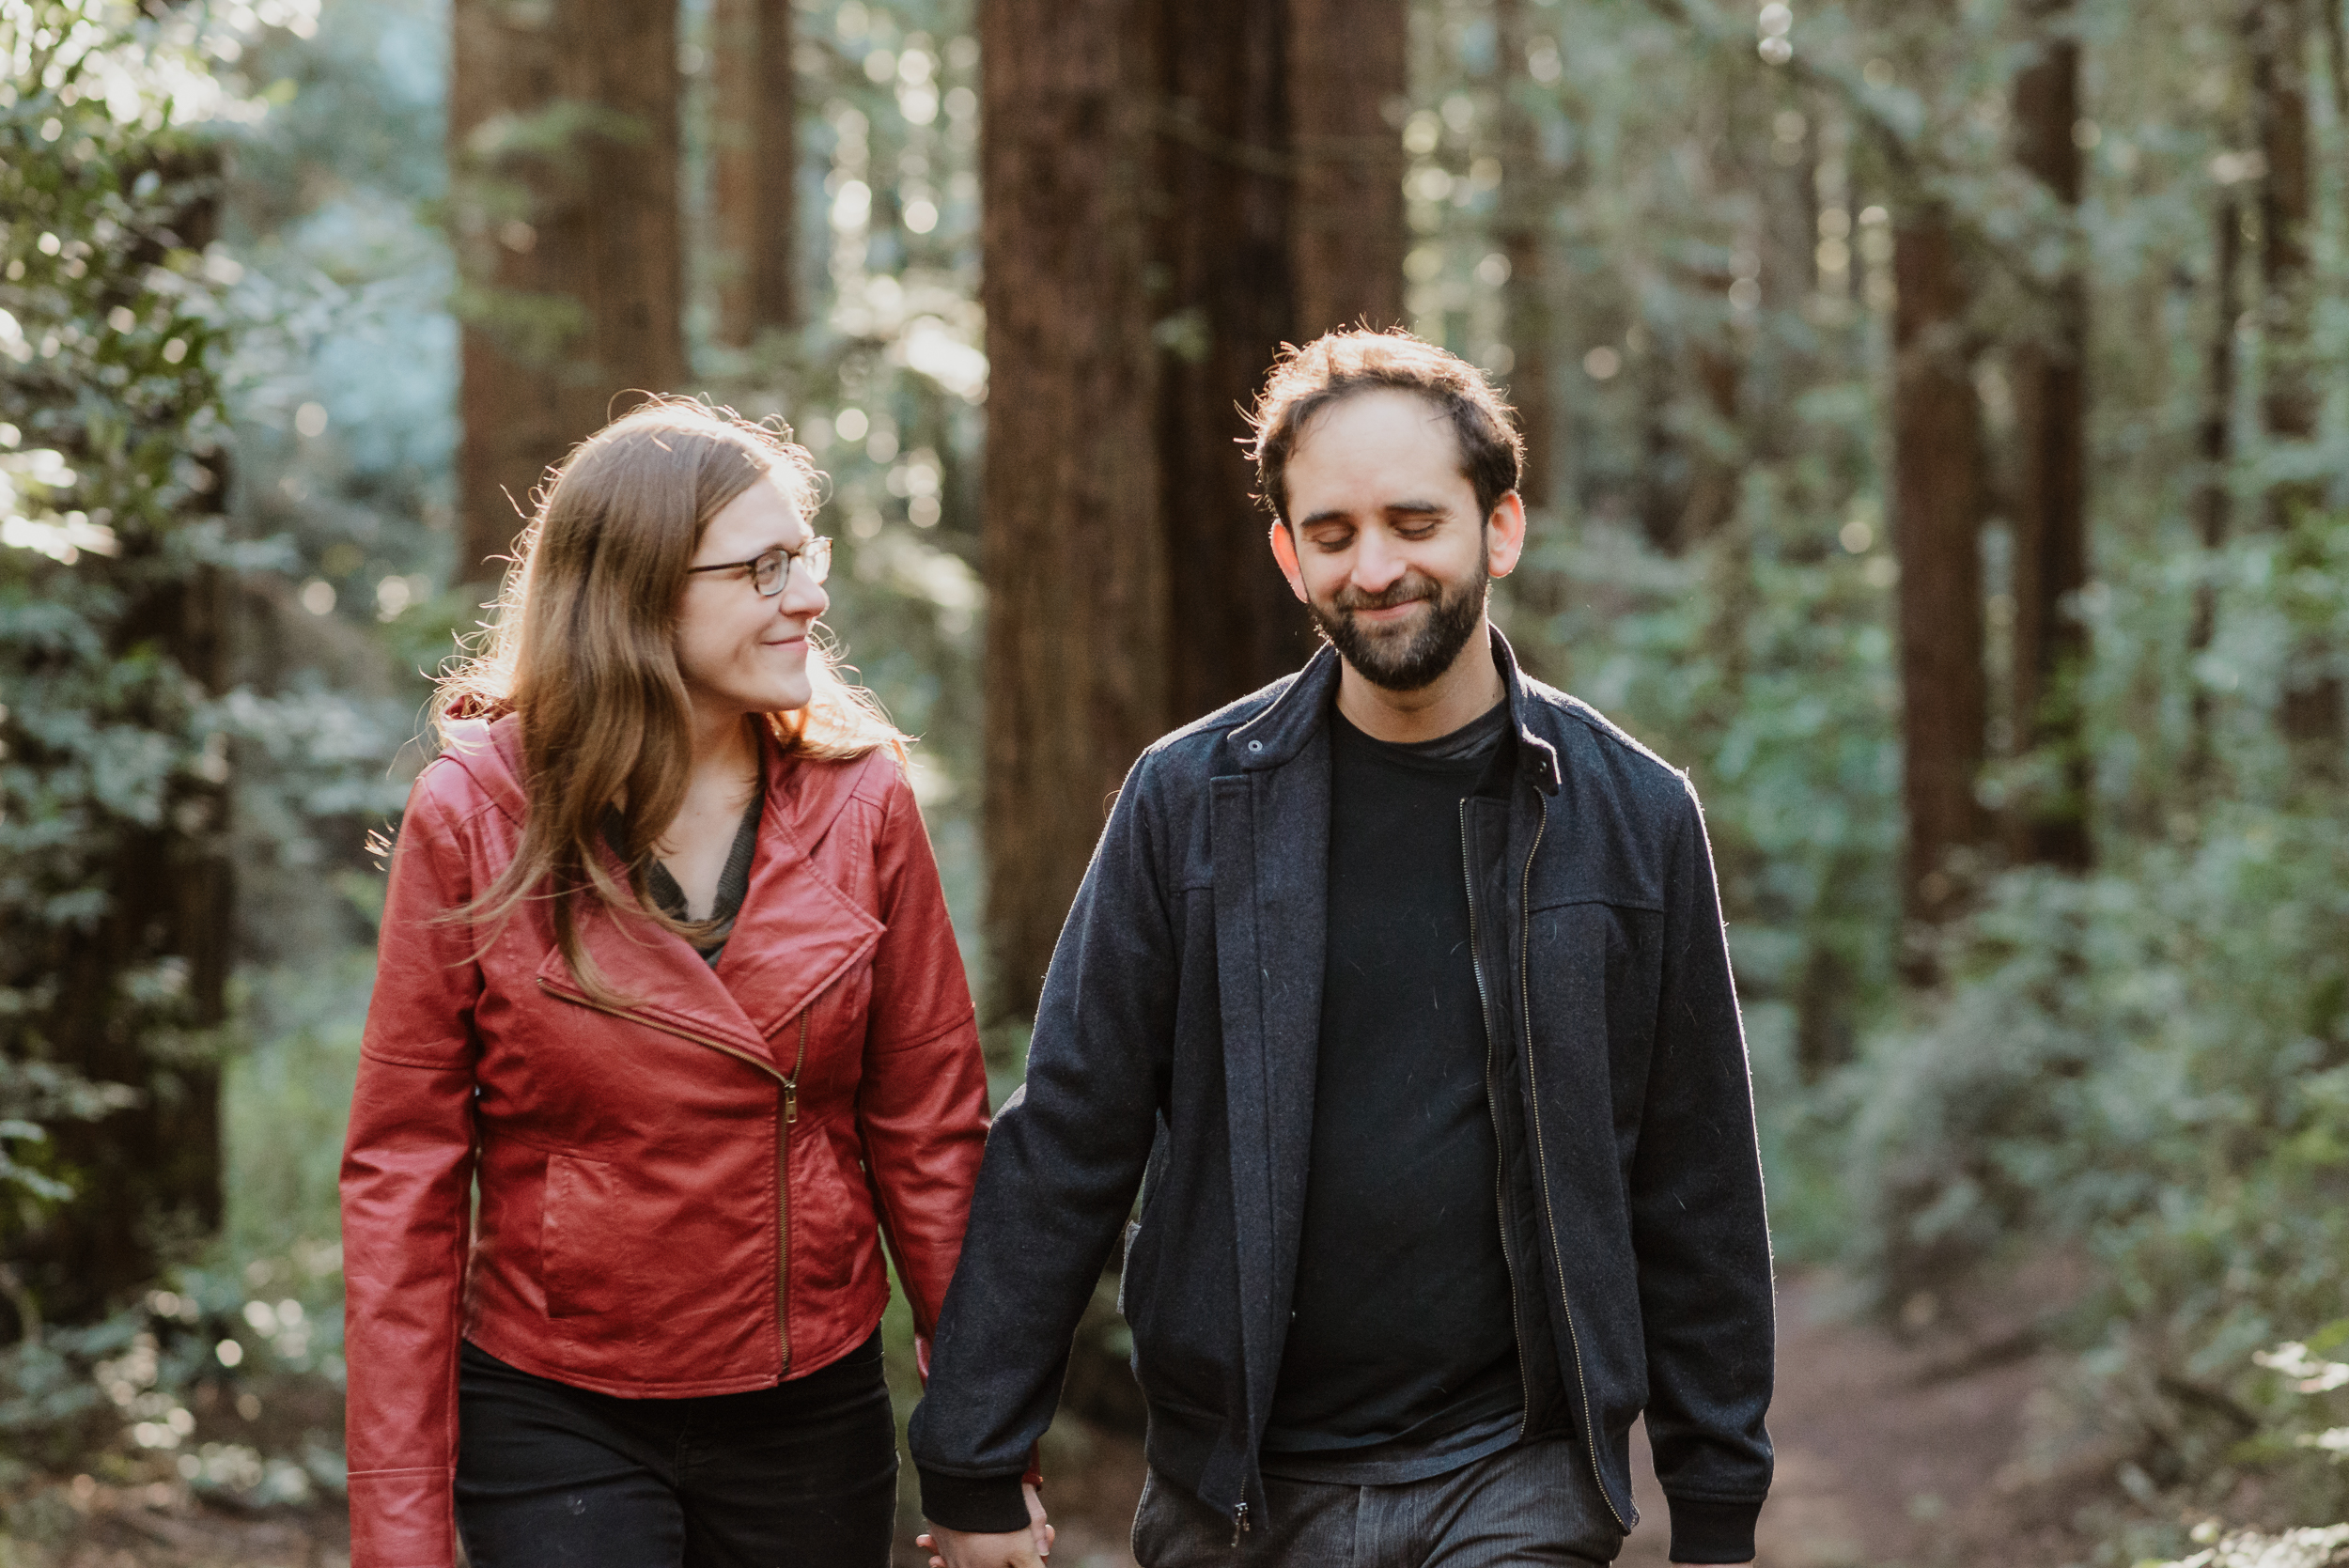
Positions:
{"x": 1504, "y": 535}
{"x": 1285, "y": 552}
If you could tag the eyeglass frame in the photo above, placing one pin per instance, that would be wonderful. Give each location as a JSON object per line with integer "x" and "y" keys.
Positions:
{"x": 818, "y": 569}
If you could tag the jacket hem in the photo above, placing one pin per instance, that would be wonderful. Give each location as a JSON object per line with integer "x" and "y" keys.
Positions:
{"x": 520, "y": 1357}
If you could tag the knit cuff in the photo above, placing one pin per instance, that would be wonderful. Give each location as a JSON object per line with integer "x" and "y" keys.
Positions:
{"x": 980, "y": 1505}
{"x": 1708, "y": 1531}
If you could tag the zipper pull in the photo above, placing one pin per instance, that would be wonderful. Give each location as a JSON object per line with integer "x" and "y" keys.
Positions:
{"x": 1239, "y": 1523}
{"x": 790, "y": 1104}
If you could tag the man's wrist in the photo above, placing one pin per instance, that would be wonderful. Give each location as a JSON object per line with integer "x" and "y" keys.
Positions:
{"x": 974, "y": 1505}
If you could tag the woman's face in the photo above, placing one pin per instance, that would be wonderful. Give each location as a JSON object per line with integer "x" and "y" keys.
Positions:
{"x": 740, "y": 653}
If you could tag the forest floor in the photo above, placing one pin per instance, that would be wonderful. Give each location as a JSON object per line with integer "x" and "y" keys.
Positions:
{"x": 1894, "y": 1450}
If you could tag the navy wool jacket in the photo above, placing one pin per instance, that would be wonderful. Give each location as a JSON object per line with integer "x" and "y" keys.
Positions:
{"x": 1178, "y": 1034}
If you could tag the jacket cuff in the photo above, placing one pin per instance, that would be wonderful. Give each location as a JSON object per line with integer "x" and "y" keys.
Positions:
{"x": 1704, "y": 1530}
{"x": 981, "y": 1505}
{"x": 402, "y": 1519}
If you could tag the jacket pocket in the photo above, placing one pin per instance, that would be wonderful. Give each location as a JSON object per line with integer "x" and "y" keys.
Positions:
{"x": 579, "y": 1252}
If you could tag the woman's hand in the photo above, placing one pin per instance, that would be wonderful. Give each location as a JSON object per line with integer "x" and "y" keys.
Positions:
{"x": 1018, "y": 1549}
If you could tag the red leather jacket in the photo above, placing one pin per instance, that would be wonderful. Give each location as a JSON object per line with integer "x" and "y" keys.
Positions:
{"x": 685, "y": 1195}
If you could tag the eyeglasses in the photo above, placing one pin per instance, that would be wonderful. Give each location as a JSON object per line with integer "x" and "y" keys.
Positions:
{"x": 770, "y": 569}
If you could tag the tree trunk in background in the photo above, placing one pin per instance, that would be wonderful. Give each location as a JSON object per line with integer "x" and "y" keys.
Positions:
{"x": 754, "y": 157}
{"x": 1074, "y": 551}
{"x": 1528, "y": 194}
{"x": 563, "y": 145}
{"x": 1348, "y": 77}
{"x": 1937, "y": 523}
{"x": 1223, "y": 237}
{"x": 2214, "y": 504}
{"x": 2050, "y": 501}
{"x": 2312, "y": 712}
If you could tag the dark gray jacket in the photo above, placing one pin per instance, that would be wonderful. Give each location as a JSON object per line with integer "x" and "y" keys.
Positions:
{"x": 1178, "y": 1030}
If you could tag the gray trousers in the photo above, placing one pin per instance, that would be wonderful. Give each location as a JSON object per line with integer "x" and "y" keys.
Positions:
{"x": 1534, "y": 1503}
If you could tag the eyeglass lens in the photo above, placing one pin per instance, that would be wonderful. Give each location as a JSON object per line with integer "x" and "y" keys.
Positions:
{"x": 769, "y": 571}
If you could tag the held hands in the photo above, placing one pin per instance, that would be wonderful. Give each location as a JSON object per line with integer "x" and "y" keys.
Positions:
{"x": 1018, "y": 1549}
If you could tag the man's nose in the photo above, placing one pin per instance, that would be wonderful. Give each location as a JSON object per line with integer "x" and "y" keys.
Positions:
{"x": 1378, "y": 564}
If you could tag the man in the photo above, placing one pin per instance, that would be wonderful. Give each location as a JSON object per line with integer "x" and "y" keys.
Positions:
{"x": 1399, "y": 991}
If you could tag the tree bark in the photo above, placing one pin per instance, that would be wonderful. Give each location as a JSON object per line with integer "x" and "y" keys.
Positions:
{"x": 1938, "y": 514}
{"x": 2312, "y": 709}
{"x": 2050, "y": 499}
{"x": 1529, "y": 191}
{"x": 1073, "y": 547}
{"x": 754, "y": 162}
{"x": 2214, "y": 504}
{"x": 1349, "y": 79}
{"x": 563, "y": 144}
{"x": 1224, "y": 235}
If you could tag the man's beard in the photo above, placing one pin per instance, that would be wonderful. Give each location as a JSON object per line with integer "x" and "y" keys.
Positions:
{"x": 1399, "y": 661}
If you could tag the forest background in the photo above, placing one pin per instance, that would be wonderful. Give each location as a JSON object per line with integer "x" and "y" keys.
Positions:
{"x": 1939, "y": 446}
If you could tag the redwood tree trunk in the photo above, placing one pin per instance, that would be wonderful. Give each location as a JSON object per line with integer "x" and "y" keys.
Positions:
{"x": 1073, "y": 548}
{"x": 1224, "y": 242}
{"x": 2312, "y": 706}
{"x": 2050, "y": 502}
{"x": 563, "y": 142}
{"x": 2213, "y": 506}
{"x": 1348, "y": 77}
{"x": 754, "y": 158}
{"x": 1528, "y": 195}
{"x": 1936, "y": 520}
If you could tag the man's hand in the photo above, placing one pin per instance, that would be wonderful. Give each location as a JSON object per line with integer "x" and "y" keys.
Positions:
{"x": 1018, "y": 1549}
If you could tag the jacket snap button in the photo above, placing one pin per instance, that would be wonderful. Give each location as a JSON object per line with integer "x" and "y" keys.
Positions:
{"x": 1255, "y": 745}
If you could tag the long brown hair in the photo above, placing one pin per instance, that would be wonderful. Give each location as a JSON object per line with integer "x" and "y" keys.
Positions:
{"x": 582, "y": 648}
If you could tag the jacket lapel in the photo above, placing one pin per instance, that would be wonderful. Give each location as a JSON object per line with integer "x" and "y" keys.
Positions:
{"x": 798, "y": 932}
{"x": 1271, "y": 832}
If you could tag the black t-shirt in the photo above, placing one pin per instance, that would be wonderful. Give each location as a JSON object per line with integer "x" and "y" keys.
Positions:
{"x": 1401, "y": 1359}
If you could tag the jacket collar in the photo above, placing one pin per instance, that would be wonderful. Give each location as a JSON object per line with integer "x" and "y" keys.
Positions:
{"x": 797, "y": 933}
{"x": 1276, "y": 736}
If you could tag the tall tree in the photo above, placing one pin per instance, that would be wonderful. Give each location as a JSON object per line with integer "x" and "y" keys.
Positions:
{"x": 2048, "y": 372}
{"x": 1936, "y": 522}
{"x": 2214, "y": 504}
{"x": 1074, "y": 547}
{"x": 754, "y": 158}
{"x": 1528, "y": 196}
{"x": 2288, "y": 403}
{"x": 563, "y": 142}
{"x": 1348, "y": 77}
{"x": 1224, "y": 240}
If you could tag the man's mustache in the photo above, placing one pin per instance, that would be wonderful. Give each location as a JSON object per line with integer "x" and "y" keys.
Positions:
{"x": 1405, "y": 590}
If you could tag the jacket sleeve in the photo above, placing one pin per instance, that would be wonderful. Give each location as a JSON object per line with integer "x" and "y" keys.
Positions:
{"x": 406, "y": 1179}
{"x": 1063, "y": 1164}
{"x": 922, "y": 1100}
{"x": 1700, "y": 1231}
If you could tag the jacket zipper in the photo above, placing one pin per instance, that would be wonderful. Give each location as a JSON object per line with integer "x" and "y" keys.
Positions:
{"x": 1492, "y": 1107}
{"x": 1541, "y": 1161}
{"x": 790, "y": 1092}
{"x": 783, "y": 1125}
{"x": 1239, "y": 1523}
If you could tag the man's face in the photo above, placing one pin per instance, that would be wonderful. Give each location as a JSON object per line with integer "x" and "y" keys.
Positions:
{"x": 1391, "y": 553}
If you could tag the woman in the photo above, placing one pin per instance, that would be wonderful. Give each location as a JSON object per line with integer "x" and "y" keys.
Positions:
{"x": 667, "y": 977}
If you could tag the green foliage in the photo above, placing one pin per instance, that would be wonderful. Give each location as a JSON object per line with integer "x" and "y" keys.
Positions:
{"x": 109, "y": 420}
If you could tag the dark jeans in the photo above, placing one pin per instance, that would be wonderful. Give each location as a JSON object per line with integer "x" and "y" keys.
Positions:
{"x": 803, "y": 1475}
{"x": 1534, "y": 1503}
